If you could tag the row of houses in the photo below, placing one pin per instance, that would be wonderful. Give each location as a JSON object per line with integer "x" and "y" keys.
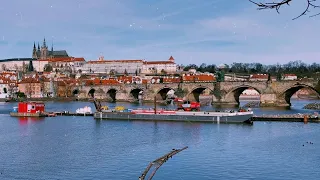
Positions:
{"x": 51, "y": 84}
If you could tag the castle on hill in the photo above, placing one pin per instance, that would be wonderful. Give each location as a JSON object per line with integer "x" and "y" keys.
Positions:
{"x": 45, "y": 53}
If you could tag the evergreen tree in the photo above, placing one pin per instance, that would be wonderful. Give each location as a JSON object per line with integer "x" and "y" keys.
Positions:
{"x": 47, "y": 68}
{"x": 30, "y": 67}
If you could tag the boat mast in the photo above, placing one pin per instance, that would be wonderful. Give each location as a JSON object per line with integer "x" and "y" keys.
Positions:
{"x": 155, "y": 104}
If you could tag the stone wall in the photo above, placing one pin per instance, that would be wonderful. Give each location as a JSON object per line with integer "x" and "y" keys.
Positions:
{"x": 272, "y": 93}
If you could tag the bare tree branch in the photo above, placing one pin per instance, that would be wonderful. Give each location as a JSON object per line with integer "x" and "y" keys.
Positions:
{"x": 277, "y": 5}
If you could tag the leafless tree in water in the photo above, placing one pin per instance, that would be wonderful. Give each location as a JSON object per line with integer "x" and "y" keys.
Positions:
{"x": 277, "y": 5}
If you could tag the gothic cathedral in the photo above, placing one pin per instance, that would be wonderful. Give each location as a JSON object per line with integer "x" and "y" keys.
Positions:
{"x": 44, "y": 53}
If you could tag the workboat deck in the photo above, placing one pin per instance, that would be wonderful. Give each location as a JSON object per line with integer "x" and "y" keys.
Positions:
{"x": 17, "y": 114}
{"x": 215, "y": 117}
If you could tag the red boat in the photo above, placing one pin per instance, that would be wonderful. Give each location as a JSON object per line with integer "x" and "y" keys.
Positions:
{"x": 178, "y": 100}
{"x": 189, "y": 106}
{"x": 29, "y": 109}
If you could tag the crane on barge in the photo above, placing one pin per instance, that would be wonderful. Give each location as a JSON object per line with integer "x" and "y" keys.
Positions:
{"x": 97, "y": 105}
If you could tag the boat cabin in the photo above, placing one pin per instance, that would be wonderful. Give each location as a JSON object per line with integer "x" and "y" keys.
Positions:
{"x": 31, "y": 107}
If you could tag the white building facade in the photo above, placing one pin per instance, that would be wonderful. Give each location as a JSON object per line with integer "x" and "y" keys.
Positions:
{"x": 155, "y": 67}
{"x": 112, "y": 66}
{"x": 289, "y": 77}
{"x": 14, "y": 64}
{"x": 137, "y": 66}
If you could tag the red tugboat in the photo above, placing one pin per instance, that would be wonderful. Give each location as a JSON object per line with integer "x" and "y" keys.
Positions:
{"x": 29, "y": 109}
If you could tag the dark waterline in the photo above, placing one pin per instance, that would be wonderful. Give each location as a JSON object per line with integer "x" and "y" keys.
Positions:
{"x": 83, "y": 148}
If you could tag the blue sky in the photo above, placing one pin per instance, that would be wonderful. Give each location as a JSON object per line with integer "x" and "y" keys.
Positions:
{"x": 202, "y": 31}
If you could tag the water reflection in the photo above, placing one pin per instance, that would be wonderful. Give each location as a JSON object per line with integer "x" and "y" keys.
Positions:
{"x": 29, "y": 120}
{"x": 98, "y": 123}
{"x": 155, "y": 132}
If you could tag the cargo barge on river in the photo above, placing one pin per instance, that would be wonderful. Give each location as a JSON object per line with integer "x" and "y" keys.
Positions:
{"x": 185, "y": 114}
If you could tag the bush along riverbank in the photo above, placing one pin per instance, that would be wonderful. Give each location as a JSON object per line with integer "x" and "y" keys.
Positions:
{"x": 252, "y": 104}
{"x": 313, "y": 106}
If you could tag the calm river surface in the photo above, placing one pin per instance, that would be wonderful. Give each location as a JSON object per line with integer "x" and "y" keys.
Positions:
{"x": 83, "y": 148}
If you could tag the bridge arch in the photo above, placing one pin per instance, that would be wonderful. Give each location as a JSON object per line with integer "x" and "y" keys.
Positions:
{"x": 136, "y": 93}
{"x": 75, "y": 92}
{"x": 162, "y": 93}
{"x": 99, "y": 93}
{"x": 288, "y": 93}
{"x": 112, "y": 93}
{"x": 91, "y": 92}
{"x": 195, "y": 93}
{"x": 233, "y": 96}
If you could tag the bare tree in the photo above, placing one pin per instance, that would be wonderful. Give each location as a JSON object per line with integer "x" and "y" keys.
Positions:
{"x": 16, "y": 67}
{"x": 278, "y": 5}
{"x": 4, "y": 67}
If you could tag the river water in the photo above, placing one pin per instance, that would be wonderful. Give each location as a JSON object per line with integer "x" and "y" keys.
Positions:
{"x": 83, "y": 148}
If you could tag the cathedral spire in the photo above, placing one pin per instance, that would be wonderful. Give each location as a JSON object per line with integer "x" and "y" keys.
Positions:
{"x": 38, "y": 47}
{"x": 34, "y": 51}
{"x": 44, "y": 42}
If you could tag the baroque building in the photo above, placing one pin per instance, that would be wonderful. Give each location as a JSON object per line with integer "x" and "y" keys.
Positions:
{"x": 45, "y": 53}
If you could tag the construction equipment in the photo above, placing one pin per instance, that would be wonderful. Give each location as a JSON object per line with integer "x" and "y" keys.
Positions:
{"x": 97, "y": 105}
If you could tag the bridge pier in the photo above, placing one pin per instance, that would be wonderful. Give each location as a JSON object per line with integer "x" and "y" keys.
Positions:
{"x": 223, "y": 98}
{"x": 272, "y": 100}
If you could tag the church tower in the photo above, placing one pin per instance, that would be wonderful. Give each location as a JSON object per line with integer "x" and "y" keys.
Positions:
{"x": 34, "y": 51}
{"x": 38, "y": 51}
{"x": 171, "y": 59}
{"x": 44, "y": 50}
{"x": 51, "y": 53}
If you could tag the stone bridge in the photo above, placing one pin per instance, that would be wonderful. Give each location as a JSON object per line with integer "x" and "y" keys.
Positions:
{"x": 276, "y": 93}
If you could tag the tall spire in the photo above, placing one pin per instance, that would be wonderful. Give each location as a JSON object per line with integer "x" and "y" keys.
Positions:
{"x": 34, "y": 51}
{"x": 38, "y": 47}
{"x": 44, "y": 42}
